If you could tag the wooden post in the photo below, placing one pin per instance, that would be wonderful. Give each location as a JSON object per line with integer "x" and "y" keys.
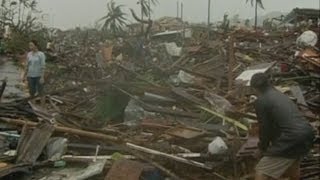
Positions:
{"x": 231, "y": 62}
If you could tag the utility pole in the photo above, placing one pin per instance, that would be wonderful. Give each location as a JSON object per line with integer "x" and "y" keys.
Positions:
{"x": 178, "y": 13}
{"x": 142, "y": 25}
{"x": 149, "y": 9}
{"x": 181, "y": 9}
{"x": 209, "y": 14}
{"x": 209, "y": 11}
{"x": 183, "y": 25}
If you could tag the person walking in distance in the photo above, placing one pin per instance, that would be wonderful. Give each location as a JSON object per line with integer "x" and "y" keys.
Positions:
{"x": 285, "y": 135}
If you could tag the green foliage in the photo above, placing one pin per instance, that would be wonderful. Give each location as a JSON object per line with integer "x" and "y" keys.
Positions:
{"x": 115, "y": 20}
{"x": 20, "y": 16}
{"x": 17, "y": 43}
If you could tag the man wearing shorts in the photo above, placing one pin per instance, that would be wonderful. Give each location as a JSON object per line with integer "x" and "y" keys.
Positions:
{"x": 285, "y": 135}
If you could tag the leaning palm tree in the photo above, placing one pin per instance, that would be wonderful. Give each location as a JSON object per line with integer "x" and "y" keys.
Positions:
{"x": 256, "y": 3}
{"x": 115, "y": 20}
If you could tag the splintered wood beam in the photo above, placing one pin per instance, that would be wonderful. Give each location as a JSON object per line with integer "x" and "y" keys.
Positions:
{"x": 169, "y": 156}
{"x": 73, "y": 131}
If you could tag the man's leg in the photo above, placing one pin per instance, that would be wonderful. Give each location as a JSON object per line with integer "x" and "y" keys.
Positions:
{"x": 294, "y": 171}
{"x": 273, "y": 167}
{"x": 260, "y": 176}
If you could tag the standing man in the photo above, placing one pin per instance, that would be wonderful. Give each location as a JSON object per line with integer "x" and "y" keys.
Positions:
{"x": 285, "y": 135}
{"x": 36, "y": 62}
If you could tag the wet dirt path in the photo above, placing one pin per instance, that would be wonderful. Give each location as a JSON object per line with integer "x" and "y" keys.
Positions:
{"x": 14, "y": 88}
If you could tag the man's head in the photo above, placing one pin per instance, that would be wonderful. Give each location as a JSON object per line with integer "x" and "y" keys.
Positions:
{"x": 260, "y": 82}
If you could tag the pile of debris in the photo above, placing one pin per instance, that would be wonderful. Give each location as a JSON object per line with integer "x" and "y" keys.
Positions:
{"x": 146, "y": 110}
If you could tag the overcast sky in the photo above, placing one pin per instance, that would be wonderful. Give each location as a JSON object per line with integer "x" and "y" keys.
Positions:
{"x": 70, "y": 13}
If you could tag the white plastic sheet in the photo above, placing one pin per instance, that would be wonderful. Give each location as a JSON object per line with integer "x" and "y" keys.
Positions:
{"x": 173, "y": 49}
{"x": 217, "y": 146}
{"x": 308, "y": 38}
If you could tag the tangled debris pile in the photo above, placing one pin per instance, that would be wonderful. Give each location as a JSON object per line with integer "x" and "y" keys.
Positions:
{"x": 152, "y": 109}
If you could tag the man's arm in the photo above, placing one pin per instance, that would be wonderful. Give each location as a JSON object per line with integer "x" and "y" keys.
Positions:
{"x": 265, "y": 124}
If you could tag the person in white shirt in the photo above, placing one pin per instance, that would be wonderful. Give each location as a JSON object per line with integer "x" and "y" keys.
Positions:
{"x": 36, "y": 62}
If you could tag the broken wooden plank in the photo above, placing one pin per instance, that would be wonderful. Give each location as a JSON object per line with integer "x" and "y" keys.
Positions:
{"x": 197, "y": 73}
{"x": 91, "y": 158}
{"x": 78, "y": 132}
{"x": 297, "y": 93}
{"x": 151, "y": 108}
{"x": 169, "y": 156}
{"x": 189, "y": 155}
{"x": 185, "y": 132}
{"x": 24, "y": 132}
{"x": 14, "y": 168}
{"x": 33, "y": 145}
{"x": 176, "y": 62}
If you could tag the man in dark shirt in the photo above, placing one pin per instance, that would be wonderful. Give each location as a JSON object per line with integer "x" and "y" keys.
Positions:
{"x": 285, "y": 135}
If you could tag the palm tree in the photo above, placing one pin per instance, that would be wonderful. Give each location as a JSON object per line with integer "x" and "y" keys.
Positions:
{"x": 146, "y": 9}
{"x": 115, "y": 20}
{"x": 258, "y": 3}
